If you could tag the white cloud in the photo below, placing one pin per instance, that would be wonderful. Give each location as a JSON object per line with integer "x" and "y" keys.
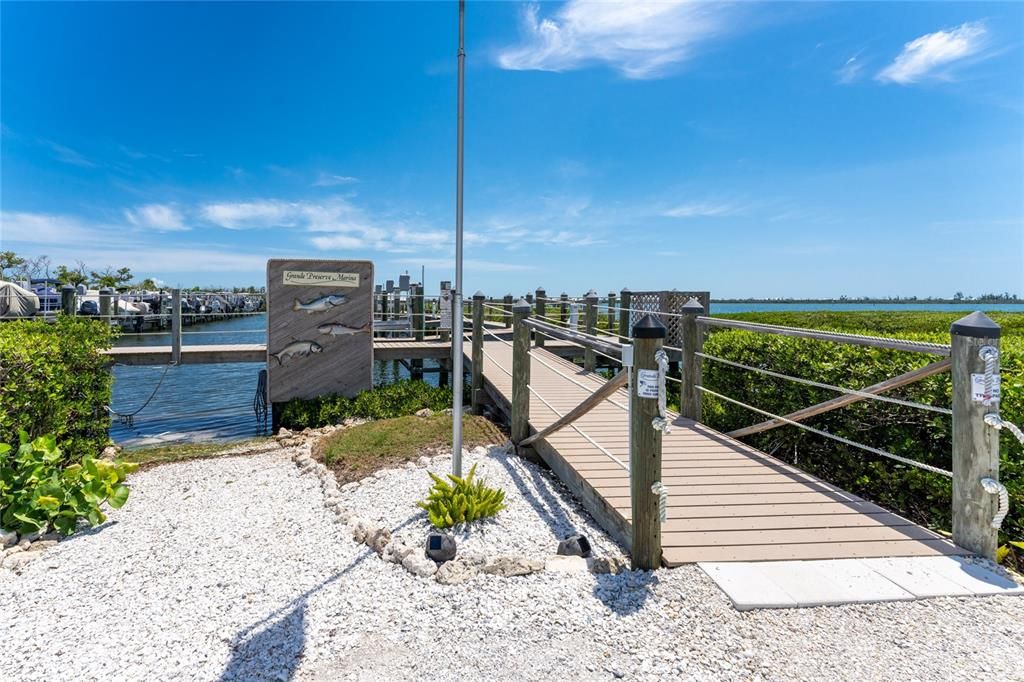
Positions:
{"x": 850, "y": 71}
{"x": 700, "y": 210}
{"x": 338, "y": 241}
{"x": 161, "y": 217}
{"x": 639, "y": 40}
{"x": 68, "y": 155}
{"x": 247, "y": 215}
{"x": 922, "y": 56}
{"x": 329, "y": 180}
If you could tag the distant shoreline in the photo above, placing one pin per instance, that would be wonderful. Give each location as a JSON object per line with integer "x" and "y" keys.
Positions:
{"x": 873, "y": 301}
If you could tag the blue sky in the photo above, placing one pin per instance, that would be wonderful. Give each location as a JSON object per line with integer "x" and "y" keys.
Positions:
{"x": 752, "y": 149}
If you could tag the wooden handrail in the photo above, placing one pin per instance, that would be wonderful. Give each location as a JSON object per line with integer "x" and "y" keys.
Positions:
{"x": 848, "y": 399}
{"x": 588, "y": 404}
{"x": 611, "y": 347}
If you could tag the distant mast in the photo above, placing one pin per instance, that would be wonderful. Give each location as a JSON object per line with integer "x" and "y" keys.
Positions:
{"x": 457, "y": 294}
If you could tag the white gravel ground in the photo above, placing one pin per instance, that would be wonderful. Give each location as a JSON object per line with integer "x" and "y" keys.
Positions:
{"x": 232, "y": 569}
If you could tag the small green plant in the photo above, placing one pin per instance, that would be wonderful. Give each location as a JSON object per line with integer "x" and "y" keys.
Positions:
{"x": 461, "y": 500}
{"x": 37, "y": 493}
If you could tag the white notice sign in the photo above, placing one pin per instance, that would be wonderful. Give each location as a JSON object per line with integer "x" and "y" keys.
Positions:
{"x": 647, "y": 383}
{"x": 446, "y": 309}
{"x": 309, "y": 278}
{"x": 978, "y": 388}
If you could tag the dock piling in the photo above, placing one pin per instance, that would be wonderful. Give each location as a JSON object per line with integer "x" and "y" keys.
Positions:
{"x": 590, "y": 321}
{"x": 175, "y": 326}
{"x": 520, "y": 418}
{"x": 691, "y": 339}
{"x": 541, "y": 311}
{"x": 477, "y": 353}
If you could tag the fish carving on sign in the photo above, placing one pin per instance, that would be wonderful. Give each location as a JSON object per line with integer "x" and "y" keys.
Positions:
{"x": 296, "y": 349}
{"x": 320, "y": 305}
{"x": 336, "y": 329}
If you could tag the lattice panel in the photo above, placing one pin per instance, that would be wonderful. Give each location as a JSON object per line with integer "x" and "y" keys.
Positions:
{"x": 658, "y": 302}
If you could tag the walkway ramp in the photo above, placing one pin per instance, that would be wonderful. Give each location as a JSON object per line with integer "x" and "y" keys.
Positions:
{"x": 728, "y": 501}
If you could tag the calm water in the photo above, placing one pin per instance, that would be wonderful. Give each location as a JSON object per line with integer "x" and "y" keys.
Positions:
{"x": 194, "y": 403}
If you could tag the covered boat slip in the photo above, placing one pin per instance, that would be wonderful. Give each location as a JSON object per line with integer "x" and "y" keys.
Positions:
{"x": 726, "y": 501}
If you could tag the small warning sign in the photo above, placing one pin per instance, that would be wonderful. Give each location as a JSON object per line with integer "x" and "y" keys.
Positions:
{"x": 978, "y": 388}
{"x": 647, "y": 383}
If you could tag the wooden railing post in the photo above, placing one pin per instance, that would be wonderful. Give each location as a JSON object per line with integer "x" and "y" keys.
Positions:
{"x": 691, "y": 340}
{"x": 975, "y": 443}
{"x": 590, "y": 321}
{"x": 645, "y": 445}
{"x": 506, "y": 303}
{"x": 520, "y": 426}
{"x": 563, "y": 308}
{"x": 541, "y": 311}
{"x": 477, "y": 353}
{"x": 67, "y": 299}
{"x": 175, "y": 326}
{"x": 626, "y": 298}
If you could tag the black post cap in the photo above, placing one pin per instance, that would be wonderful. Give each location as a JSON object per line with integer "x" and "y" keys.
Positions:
{"x": 649, "y": 327}
{"x": 977, "y": 324}
{"x": 479, "y": 296}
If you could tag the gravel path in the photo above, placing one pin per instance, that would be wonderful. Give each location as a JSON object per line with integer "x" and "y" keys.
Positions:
{"x": 232, "y": 569}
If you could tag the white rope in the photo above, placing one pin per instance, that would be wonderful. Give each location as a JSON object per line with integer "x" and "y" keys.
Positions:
{"x": 584, "y": 387}
{"x": 579, "y": 431}
{"x": 661, "y": 422}
{"x": 991, "y": 357}
{"x": 662, "y": 492}
{"x": 826, "y": 434}
{"x": 830, "y": 387}
{"x": 994, "y": 487}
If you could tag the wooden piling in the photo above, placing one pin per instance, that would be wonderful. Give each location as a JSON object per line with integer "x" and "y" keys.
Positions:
{"x": 612, "y": 324}
{"x": 563, "y": 308}
{"x": 692, "y": 343}
{"x": 975, "y": 443}
{"x": 645, "y": 448}
{"x": 416, "y": 303}
{"x": 507, "y": 305}
{"x": 105, "y": 303}
{"x": 590, "y": 321}
{"x": 625, "y": 300}
{"x": 541, "y": 311}
{"x": 67, "y": 299}
{"x": 477, "y": 354}
{"x": 520, "y": 426}
{"x": 175, "y": 326}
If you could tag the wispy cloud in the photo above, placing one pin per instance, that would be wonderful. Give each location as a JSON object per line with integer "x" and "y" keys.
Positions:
{"x": 252, "y": 215}
{"x": 160, "y": 217}
{"x": 922, "y": 57}
{"x": 68, "y": 155}
{"x": 639, "y": 40}
{"x": 330, "y": 180}
{"x": 700, "y": 210}
{"x": 850, "y": 71}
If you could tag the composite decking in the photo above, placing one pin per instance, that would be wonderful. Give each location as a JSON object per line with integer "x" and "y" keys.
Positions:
{"x": 727, "y": 501}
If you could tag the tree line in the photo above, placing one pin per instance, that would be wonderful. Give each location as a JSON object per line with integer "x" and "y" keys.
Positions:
{"x": 15, "y": 267}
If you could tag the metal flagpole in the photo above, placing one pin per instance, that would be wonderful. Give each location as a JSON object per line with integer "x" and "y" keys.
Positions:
{"x": 457, "y": 294}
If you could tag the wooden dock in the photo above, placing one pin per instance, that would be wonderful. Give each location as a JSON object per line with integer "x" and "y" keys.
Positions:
{"x": 726, "y": 501}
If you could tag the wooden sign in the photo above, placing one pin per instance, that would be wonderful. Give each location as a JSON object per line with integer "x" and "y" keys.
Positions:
{"x": 319, "y": 328}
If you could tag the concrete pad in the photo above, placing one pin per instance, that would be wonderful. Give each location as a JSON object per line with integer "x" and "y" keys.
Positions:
{"x": 788, "y": 584}
{"x": 746, "y": 588}
{"x": 566, "y": 564}
{"x": 832, "y": 582}
{"x": 944, "y": 576}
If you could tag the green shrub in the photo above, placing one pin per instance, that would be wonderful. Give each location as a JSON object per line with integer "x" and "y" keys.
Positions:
{"x": 461, "y": 500}
{"x": 923, "y": 436}
{"x": 37, "y": 493}
{"x": 399, "y": 399}
{"x": 54, "y": 379}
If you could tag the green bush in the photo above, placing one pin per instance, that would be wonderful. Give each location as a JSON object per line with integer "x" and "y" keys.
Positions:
{"x": 462, "y": 500}
{"x": 923, "y": 436}
{"x": 37, "y": 493}
{"x": 399, "y": 399}
{"x": 54, "y": 380}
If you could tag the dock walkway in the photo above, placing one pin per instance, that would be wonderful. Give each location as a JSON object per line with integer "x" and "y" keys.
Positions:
{"x": 727, "y": 501}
